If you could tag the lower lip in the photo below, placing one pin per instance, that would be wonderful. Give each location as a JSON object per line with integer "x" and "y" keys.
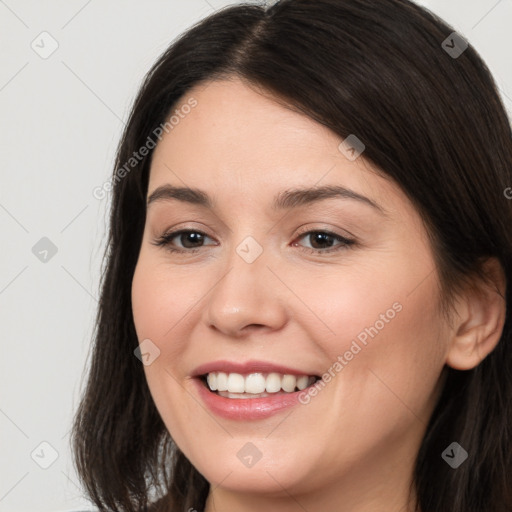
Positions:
{"x": 245, "y": 408}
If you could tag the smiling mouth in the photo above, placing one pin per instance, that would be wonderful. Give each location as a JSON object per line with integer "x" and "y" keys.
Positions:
{"x": 255, "y": 385}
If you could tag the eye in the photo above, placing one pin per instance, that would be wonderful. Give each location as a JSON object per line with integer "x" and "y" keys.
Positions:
{"x": 189, "y": 238}
{"x": 325, "y": 238}
{"x": 192, "y": 241}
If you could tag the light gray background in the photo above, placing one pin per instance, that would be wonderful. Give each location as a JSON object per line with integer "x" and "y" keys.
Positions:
{"x": 61, "y": 119}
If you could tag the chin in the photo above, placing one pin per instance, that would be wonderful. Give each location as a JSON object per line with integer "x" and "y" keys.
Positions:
{"x": 236, "y": 464}
{"x": 260, "y": 480}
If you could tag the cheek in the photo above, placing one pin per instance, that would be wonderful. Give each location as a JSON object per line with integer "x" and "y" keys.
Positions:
{"x": 145, "y": 299}
{"x": 392, "y": 356}
{"x": 384, "y": 313}
{"x": 160, "y": 302}
{"x": 385, "y": 347}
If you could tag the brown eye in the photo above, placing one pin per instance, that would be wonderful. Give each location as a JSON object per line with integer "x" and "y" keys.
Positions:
{"x": 321, "y": 238}
{"x": 190, "y": 240}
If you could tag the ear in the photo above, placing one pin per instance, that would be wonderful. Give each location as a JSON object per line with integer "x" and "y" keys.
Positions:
{"x": 481, "y": 313}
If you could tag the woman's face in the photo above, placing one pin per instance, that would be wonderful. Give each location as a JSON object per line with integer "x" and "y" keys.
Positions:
{"x": 248, "y": 294}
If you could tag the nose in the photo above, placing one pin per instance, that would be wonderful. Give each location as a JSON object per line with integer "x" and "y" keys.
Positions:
{"x": 248, "y": 297}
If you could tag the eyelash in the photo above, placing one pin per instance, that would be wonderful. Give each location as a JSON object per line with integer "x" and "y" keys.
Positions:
{"x": 165, "y": 241}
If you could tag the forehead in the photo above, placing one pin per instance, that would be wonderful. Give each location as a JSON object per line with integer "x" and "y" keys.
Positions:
{"x": 238, "y": 139}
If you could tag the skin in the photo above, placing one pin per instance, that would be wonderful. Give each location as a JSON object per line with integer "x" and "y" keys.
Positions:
{"x": 353, "y": 446}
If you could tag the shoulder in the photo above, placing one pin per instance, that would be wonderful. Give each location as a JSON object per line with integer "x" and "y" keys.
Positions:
{"x": 153, "y": 507}
{"x": 162, "y": 505}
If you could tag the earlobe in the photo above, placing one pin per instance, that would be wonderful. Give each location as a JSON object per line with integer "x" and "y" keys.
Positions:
{"x": 480, "y": 320}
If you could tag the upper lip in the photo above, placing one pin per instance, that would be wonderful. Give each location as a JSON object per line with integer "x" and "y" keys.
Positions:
{"x": 247, "y": 367}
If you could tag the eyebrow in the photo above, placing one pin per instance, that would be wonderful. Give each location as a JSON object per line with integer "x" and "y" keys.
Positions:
{"x": 285, "y": 200}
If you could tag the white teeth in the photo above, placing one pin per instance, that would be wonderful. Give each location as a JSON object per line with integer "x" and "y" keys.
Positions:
{"x": 273, "y": 384}
{"x": 256, "y": 383}
{"x": 288, "y": 383}
{"x": 303, "y": 382}
{"x": 212, "y": 381}
{"x": 222, "y": 380}
{"x": 236, "y": 383}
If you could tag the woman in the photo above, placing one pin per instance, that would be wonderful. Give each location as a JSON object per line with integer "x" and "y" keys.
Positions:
{"x": 239, "y": 363}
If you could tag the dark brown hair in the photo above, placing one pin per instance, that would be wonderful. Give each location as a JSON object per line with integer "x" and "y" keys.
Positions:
{"x": 432, "y": 122}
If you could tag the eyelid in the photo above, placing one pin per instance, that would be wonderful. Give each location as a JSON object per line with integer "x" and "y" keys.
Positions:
{"x": 180, "y": 228}
{"x": 168, "y": 235}
{"x": 326, "y": 229}
{"x": 301, "y": 231}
